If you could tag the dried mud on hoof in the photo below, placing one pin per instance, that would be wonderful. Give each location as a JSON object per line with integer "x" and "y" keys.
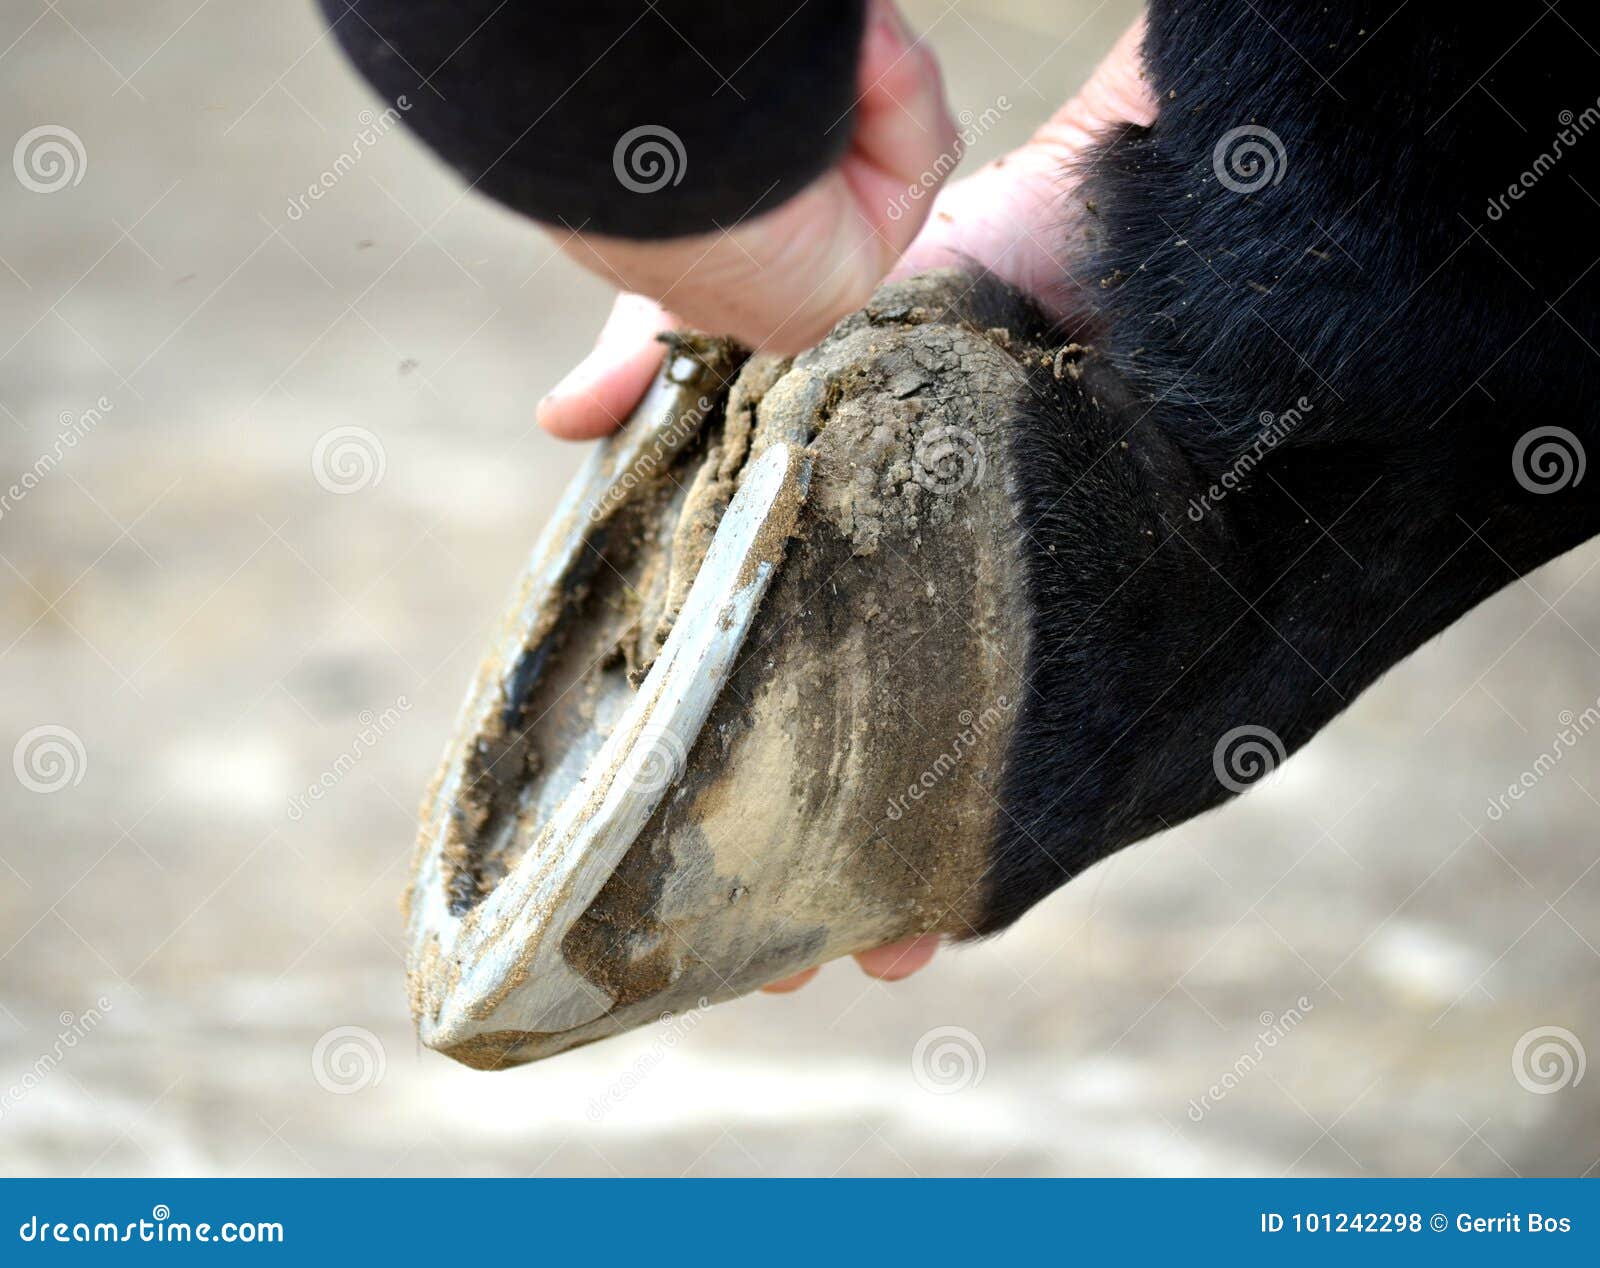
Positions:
{"x": 750, "y": 705}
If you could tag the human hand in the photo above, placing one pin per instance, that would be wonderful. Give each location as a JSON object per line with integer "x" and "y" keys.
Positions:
{"x": 759, "y": 281}
{"x": 1003, "y": 217}
{"x": 777, "y": 281}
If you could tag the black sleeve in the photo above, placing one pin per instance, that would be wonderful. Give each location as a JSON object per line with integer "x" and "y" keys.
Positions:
{"x": 631, "y": 119}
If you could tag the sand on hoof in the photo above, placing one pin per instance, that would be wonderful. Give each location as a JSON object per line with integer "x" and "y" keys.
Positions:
{"x": 842, "y": 792}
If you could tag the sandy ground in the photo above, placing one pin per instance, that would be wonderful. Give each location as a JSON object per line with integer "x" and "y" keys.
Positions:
{"x": 205, "y": 630}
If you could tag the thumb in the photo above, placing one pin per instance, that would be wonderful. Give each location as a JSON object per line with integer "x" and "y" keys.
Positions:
{"x": 598, "y": 394}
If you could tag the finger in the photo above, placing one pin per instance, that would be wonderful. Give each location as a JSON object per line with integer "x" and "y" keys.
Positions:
{"x": 1003, "y": 215}
{"x": 898, "y": 959}
{"x": 786, "y": 984}
{"x": 1117, "y": 93}
{"x": 904, "y": 136}
{"x": 599, "y": 393}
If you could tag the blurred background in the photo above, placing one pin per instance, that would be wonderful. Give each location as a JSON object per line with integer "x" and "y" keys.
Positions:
{"x": 215, "y": 594}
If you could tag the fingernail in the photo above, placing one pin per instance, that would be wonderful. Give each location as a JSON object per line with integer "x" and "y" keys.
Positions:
{"x": 900, "y": 29}
{"x": 886, "y": 38}
{"x": 542, "y": 411}
{"x": 583, "y": 375}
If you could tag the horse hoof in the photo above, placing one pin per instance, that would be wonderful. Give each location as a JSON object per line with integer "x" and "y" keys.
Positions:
{"x": 751, "y": 703}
